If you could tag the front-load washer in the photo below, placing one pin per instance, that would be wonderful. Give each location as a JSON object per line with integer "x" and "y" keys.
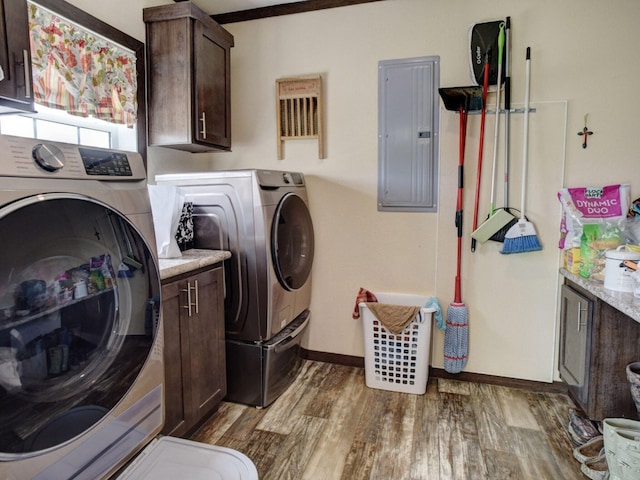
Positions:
{"x": 262, "y": 218}
{"x": 81, "y": 366}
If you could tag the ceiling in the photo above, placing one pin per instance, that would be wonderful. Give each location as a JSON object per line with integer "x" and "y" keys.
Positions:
{"x": 216, "y": 7}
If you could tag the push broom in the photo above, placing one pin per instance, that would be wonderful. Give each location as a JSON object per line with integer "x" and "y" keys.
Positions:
{"x": 522, "y": 236}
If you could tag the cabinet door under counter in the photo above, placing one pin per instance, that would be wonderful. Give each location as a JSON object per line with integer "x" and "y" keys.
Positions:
{"x": 194, "y": 348}
{"x": 575, "y": 328}
{"x": 597, "y": 342}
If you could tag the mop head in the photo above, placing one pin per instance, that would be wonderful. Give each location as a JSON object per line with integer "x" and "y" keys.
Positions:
{"x": 521, "y": 238}
{"x": 456, "y": 338}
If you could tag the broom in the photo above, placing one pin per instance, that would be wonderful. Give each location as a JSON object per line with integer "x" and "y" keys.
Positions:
{"x": 500, "y": 219}
{"x": 499, "y": 235}
{"x": 522, "y": 236}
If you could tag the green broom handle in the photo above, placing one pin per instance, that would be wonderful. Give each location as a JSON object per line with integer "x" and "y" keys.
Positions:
{"x": 495, "y": 134}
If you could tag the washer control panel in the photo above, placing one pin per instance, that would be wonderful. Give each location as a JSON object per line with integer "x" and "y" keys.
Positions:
{"x": 30, "y": 158}
{"x": 48, "y": 157}
{"x": 104, "y": 162}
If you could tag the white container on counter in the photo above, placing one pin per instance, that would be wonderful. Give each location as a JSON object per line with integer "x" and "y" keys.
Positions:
{"x": 617, "y": 276}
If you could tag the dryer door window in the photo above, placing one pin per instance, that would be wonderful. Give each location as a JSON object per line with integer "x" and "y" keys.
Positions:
{"x": 77, "y": 283}
{"x": 292, "y": 242}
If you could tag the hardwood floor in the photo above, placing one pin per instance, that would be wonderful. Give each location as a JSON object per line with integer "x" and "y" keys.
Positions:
{"x": 328, "y": 425}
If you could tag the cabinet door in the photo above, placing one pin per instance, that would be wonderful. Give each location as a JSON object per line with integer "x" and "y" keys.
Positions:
{"x": 194, "y": 349}
{"x": 204, "y": 333}
{"x": 15, "y": 57}
{"x": 174, "y": 421}
{"x": 615, "y": 344}
{"x": 576, "y": 325}
{"x": 212, "y": 88}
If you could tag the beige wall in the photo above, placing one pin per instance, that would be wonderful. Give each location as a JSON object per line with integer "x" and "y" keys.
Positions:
{"x": 584, "y": 60}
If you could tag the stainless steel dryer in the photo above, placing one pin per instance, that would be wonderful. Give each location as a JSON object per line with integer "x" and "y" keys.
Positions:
{"x": 81, "y": 371}
{"x": 262, "y": 217}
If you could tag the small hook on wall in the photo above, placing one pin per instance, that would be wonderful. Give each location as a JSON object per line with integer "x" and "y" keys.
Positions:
{"x": 585, "y": 132}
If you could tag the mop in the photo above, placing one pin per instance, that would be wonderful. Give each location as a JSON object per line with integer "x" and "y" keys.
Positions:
{"x": 522, "y": 236}
{"x": 456, "y": 341}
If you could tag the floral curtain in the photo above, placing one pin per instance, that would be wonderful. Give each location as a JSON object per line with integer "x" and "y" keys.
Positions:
{"x": 79, "y": 72}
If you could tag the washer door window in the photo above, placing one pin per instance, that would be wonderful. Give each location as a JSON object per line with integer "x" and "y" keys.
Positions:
{"x": 76, "y": 323}
{"x": 292, "y": 242}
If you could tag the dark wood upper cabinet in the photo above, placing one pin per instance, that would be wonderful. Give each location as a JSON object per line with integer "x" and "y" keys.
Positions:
{"x": 16, "y": 93}
{"x": 188, "y": 59}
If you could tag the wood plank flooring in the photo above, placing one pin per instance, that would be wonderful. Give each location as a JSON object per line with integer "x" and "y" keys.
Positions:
{"x": 329, "y": 426}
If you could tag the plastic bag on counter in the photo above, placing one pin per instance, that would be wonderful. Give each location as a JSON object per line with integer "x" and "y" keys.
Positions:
{"x": 632, "y": 223}
{"x": 166, "y": 207}
{"x": 581, "y": 206}
{"x": 597, "y": 238}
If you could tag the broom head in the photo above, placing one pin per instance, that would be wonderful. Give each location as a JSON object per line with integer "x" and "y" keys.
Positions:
{"x": 500, "y": 234}
{"x": 521, "y": 238}
{"x": 500, "y": 219}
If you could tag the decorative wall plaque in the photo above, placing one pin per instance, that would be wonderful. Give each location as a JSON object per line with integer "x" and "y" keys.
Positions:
{"x": 299, "y": 110}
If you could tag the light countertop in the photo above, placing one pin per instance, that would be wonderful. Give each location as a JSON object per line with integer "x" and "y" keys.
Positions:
{"x": 191, "y": 260}
{"x": 625, "y": 302}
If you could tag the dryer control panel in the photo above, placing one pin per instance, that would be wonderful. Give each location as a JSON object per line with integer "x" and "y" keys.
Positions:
{"x": 276, "y": 178}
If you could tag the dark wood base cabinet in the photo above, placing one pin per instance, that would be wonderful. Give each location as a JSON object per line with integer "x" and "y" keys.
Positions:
{"x": 194, "y": 349}
{"x": 597, "y": 342}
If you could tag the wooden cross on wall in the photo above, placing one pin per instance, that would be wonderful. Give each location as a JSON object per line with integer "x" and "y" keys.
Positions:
{"x": 585, "y": 132}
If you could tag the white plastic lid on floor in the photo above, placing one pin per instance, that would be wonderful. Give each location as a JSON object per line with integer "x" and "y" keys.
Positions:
{"x": 169, "y": 458}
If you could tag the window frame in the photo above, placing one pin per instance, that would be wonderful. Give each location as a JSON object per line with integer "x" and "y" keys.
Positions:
{"x": 96, "y": 25}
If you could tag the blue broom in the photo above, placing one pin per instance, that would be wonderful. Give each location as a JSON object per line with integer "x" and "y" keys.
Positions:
{"x": 522, "y": 237}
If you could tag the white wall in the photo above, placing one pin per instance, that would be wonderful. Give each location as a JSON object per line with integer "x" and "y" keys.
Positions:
{"x": 584, "y": 60}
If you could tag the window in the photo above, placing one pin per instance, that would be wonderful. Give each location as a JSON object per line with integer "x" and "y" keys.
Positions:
{"x": 51, "y": 124}
{"x": 108, "y": 78}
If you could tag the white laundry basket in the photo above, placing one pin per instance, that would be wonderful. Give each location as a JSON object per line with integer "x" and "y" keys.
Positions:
{"x": 397, "y": 362}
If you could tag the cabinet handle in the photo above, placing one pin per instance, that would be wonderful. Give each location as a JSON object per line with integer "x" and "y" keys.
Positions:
{"x": 27, "y": 77}
{"x": 189, "y": 302}
{"x": 196, "y": 290}
{"x": 580, "y": 322}
{"x": 203, "y": 119}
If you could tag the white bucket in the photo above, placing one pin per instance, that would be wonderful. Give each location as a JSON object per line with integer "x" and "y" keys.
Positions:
{"x": 616, "y": 275}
